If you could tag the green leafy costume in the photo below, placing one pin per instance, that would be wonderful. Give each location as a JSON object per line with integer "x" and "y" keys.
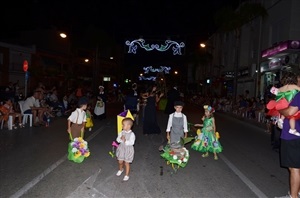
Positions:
{"x": 206, "y": 140}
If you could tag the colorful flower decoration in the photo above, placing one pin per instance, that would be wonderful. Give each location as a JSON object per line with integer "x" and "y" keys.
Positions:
{"x": 180, "y": 159}
{"x": 80, "y": 148}
{"x": 209, "y": 108}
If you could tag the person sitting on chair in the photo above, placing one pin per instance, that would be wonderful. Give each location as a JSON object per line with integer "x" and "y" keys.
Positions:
{"x": 32, "y": 106}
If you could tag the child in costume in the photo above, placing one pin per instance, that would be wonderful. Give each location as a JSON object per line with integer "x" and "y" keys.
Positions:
{"x": 207, "y": 141}
{"x": 284, "y": 96}
{"x": 89, "y": 121}
{"x": 125, "y": 150}
{"x": 77, "y": 119}
{"x": 177, "y": 124}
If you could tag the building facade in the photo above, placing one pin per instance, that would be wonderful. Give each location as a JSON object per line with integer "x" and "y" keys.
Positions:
{"x": 267, "y": 46}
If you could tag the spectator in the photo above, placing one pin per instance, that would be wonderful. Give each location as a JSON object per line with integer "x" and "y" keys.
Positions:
{"x": 7, "y": 110}
{"x": 32, "y": 106}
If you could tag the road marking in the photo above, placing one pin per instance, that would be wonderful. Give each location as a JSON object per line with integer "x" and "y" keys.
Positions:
{"x": 86, "y": 189}
{"x": 37, "y": 179}
{"x": 254, "y": 189}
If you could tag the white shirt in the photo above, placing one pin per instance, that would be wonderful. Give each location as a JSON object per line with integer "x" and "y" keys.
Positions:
{"x": 78, "y": 116}
{"x": 31, "y": 102}
{"x": 130, "y": 141}
{"x": 176, "y": 114}
{"x": 53, "y": 98}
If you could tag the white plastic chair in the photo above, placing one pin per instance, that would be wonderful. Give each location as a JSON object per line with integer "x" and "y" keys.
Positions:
{"x": 2, "y": 120}
{"x": 9, "y": 122}
{"x": 26, "y": 115}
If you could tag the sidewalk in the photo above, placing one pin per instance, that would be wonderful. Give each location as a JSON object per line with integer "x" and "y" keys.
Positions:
{"x": 254, "y": 122}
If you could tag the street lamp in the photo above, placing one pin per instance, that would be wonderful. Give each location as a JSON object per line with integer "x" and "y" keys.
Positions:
{"x": 202, "y": 45}
{"x": 63, "y": 35}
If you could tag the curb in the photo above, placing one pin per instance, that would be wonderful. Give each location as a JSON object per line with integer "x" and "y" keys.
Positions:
{"x": 245, "y": 120}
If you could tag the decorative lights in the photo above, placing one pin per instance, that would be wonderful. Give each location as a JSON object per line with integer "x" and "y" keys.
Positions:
{"x": 176, "y": 47}
{"x": 151, "y": 78}
{"x": 164, "y": 69}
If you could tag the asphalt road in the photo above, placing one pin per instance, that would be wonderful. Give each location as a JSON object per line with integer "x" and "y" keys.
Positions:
{"x": 34, "y": 163}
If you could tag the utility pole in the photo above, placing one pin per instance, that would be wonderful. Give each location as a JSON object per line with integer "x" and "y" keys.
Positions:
{"x": 236, "y": 65}
{"x": 96, "y": 70}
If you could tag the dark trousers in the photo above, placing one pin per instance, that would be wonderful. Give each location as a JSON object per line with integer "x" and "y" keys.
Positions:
{"x": 275, "y": 136}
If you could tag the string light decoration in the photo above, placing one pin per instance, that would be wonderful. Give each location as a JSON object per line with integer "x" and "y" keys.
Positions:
{"x": 169, "y": 44}
{"x": 151, "y": 78}
{"x": 164, "y": 69}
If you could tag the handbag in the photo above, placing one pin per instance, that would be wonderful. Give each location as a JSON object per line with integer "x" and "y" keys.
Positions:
{"x": 99, "y": 108}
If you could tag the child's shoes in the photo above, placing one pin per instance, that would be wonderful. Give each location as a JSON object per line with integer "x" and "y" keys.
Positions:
{"x": 294, "y": 132}
{"x": 126, "y": 178}
{"x": 205, "y": 155}
{"x": 120, "y": 172}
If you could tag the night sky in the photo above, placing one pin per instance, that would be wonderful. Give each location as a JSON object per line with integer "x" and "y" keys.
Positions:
{"x": 191, "y": 21}
{"x": 122, "y": 19}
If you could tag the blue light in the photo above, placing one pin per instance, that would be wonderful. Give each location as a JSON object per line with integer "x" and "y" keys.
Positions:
{"x": 151, "y": 78}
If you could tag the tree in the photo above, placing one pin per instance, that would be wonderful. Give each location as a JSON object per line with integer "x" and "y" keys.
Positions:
{"x": 230, "y": 20}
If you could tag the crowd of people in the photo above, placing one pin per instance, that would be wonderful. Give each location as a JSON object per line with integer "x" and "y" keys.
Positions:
{"x": 46, "y": 103}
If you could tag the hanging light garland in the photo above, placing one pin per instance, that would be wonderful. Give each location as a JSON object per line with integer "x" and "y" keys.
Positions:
{"x": 169, "y": 44}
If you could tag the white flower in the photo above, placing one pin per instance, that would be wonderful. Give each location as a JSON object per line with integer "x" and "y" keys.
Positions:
{"x": 179, "y": 161}
{"x": 74, "y": 150}
{"x": 175, "y": 157}
{"x": 185, "y": 159}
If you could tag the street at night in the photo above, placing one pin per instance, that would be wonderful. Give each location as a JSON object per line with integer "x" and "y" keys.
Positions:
{"x": 34, "y": 162}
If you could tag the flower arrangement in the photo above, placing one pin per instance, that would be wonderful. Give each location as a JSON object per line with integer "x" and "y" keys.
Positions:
{"x": 78, "y": 150}
{"x": 80, "y": 147}
{"x": 176, "y": 156}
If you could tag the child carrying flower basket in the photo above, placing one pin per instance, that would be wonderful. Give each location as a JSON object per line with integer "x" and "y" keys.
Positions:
{"x": 78, "y": 148}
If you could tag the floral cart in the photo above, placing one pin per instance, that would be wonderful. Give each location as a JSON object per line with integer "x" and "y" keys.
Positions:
{"x": 176, "y": 154}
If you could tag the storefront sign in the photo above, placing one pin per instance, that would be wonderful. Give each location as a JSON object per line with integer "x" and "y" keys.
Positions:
{"x": 275, "y": 62}
{"x": 229, "y": 74}
{"x": 290, "y": 44}
{"x": 244, "y": 72}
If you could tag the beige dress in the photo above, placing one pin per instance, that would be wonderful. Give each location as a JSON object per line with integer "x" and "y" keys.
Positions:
{"x": 125, "y": 150}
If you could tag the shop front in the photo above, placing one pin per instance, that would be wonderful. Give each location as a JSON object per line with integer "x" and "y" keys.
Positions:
{"x": 284, "y": 56}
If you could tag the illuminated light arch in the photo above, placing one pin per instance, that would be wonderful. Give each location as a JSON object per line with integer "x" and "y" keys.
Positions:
{"x": 164, "y": 69}
{"x": 151, "y": 78}
{"x": 133, "y": 45}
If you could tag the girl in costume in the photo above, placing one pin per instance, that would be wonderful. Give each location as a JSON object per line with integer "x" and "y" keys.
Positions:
{"x": 89, "y": 121}
{"x": 125, "y": 150}
{"x": 208, "y": 140}
{"x": 284, "y": 96}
